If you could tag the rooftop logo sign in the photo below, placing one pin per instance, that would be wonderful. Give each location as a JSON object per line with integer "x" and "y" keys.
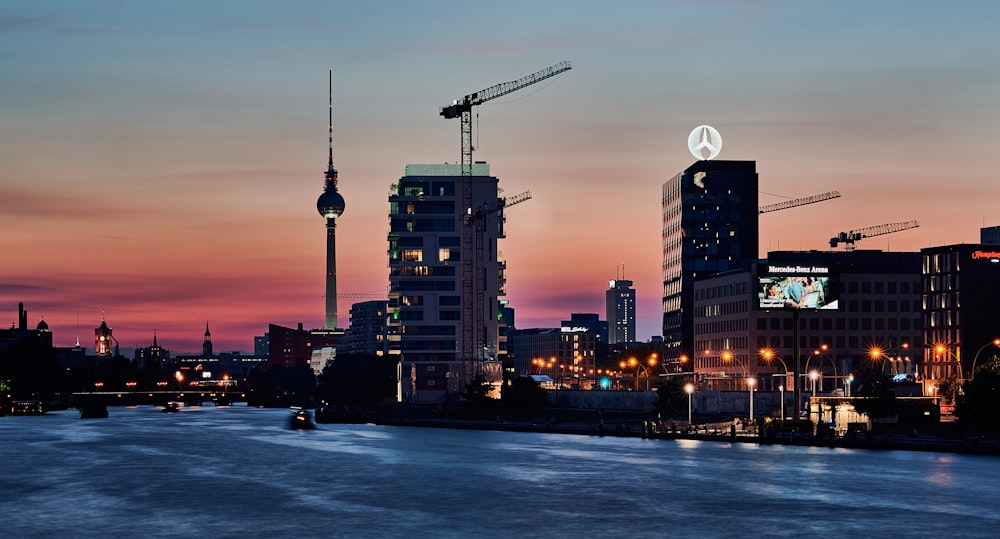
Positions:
{"x": 705, "y": 138}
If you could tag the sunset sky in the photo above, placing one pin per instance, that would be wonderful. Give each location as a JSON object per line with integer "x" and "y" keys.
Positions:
{"x": 160, "y": 161}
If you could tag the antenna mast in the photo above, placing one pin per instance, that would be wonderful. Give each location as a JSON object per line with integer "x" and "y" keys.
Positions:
{"x": 331, "y": 173}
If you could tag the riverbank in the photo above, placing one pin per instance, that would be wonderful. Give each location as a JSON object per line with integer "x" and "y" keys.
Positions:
{"x": 729, "y": 434}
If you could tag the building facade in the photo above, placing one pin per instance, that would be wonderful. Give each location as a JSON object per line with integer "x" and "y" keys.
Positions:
{"x": 569, "y": 358}
{"x": 960, "y": 295}
{"x": 293, "y": 347}
{"x": 877, "y": 307}
{"x": 709, "y": 226}
{"x": 620, "y": 309}
{"x": 427, "y": 302}
{"x": 369, "y": 329}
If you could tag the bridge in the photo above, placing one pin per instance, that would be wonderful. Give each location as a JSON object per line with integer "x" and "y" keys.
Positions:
{"x": 190, "y": 397}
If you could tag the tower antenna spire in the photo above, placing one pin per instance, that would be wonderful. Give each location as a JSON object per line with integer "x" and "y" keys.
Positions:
{"x": 331, "y": 173}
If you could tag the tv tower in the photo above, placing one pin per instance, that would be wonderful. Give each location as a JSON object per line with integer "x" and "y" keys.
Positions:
{"x": 331, "y": 206}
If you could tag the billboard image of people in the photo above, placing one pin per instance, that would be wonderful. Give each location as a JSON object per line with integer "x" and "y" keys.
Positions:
{"x": 796, "y": 287}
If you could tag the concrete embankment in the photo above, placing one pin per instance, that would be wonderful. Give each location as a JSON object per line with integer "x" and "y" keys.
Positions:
{"x": 723, "y": 433}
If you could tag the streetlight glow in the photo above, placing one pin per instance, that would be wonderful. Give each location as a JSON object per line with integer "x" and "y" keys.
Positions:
{"x": 689, "y": 389}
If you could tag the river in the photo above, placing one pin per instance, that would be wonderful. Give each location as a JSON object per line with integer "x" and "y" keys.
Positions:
{"x": 240, "y": 472}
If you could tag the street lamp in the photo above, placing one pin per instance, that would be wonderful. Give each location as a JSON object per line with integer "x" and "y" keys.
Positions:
{"x": 821, "y": 352}
{"x": 750, "y": 383}
{"x": 994, "y": 342}
{"x": 940, "y": 349}
{"x": 767, "y": 355}
{"x": 689, "y": 389}
{"x": 877, "y": 354}
{"x": 813, "y": 375}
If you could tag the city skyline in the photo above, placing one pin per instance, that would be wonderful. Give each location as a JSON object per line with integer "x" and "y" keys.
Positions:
{"x": 162, "y": 163}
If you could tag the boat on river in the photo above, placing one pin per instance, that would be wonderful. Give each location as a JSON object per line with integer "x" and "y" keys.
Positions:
{"x": 301, "y": 419}
{"x": 171, "y": 407}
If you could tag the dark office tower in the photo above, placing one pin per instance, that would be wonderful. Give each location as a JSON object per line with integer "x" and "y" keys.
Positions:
{"x": 331, "y": 206}
{"x": 620, "y": 304}
{"x": 960, "y": 298}
{"x": 709, "y": 226}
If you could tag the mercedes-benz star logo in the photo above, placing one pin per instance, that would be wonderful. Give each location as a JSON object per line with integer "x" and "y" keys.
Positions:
{"x": 705, "y": 137}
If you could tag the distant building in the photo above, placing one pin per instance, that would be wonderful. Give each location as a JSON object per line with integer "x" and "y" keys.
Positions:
{"x": 103, "y": 340}
{"x": 569, "y": 358}
{"x": 152, "y": 354}
{"x": 320, "y": 358}
{"x": 587, "y": 323}
{"x": 620, "y": 304}
{"x": 261, "y": 345}
{"x": 369, "y": 329}
{"x": 294, "y": 347}
{"x": 210, "y": 368}
{"x": 709, "y": 226}
{"x": 20, "y": 332}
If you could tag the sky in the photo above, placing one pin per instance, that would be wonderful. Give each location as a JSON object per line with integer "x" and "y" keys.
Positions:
{"x": 160, "y": 161}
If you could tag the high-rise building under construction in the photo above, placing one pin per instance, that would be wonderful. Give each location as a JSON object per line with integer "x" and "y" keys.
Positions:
{"x": 425, "y": 278}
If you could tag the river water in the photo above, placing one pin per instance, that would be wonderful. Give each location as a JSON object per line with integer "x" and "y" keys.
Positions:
{"x": 240, "y": 472}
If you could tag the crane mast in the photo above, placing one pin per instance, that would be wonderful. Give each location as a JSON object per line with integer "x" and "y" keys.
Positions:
{"x": 849, "y": 238}
{"x": 798, "y": 202}
{"x": 472, "y": 313}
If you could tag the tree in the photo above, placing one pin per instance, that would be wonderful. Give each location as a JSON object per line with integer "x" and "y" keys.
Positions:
{"x": 979, "y": 405}
{"x": 278, "y": 386}
{"x": 525, "y": 395}
{"x": 358, "y": 380}
{"x": 949, "y": 389}
{"x": 671, "y": 399}
{"x": 477, "y": 390}
{"x": 879, "y": 399}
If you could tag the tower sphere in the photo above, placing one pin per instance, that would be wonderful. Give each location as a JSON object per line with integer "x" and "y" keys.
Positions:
{"x": 330, "y": 204}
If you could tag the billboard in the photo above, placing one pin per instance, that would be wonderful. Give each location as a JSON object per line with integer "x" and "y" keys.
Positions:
{"x": 787, "y": 286}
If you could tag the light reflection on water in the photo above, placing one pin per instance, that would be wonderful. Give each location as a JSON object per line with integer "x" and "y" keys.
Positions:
{"x": 239, "y": 472}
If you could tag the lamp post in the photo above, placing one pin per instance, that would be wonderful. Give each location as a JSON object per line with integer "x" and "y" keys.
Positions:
{"x": 940, "y": 349}
{"x": 781, "y": 389}
{"x": 750, "y": 383}
{"x": 689, "y": 389}
{"x": 994, "y": 342}
{"x": 813, "y": 375}
{"x": 822, "y": 352}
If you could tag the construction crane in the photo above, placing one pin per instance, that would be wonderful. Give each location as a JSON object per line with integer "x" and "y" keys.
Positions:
{"x": 798, "y": 202}
{"x": 849, "y": 238}
{"x": 472, "y": 327}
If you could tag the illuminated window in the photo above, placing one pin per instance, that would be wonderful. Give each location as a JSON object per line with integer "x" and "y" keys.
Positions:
{"x": 413, "y": 255}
